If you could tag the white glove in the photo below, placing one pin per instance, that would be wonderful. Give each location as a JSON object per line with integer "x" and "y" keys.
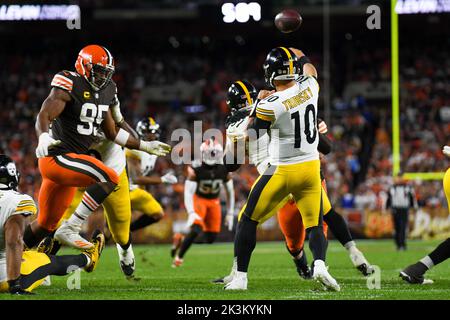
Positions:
{"x": 45, "y": 143}
{"x": 229, "y": 221}
{"x": 169, "y": 178}
{"x": 235, "y": 134}
{"x": 192, "y": 217}
{"x": 323, "y": 127}
{"x": 157, "y": 148}
{"x": 446, "y": 151}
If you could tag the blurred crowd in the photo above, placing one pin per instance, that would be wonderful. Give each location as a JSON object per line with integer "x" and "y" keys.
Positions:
{"x": 359, "y": 168}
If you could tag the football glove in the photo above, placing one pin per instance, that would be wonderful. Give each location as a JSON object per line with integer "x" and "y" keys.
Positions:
{"x": 169, "y": 178}
{"x": 446, "y": 151}
{"x": 157, "y": 148}
{"x": 323, "y": 127}
{"x": 192, "y": 217}
{"x": 15, "y": 288}
{"x": 229, "y": 221}
{"x": 45, "y": 143}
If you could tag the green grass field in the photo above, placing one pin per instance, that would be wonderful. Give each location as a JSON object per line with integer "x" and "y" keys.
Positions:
{"x": 271, "y": 276}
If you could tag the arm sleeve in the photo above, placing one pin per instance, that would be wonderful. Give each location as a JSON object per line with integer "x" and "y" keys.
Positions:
{"x": 388, "y": 200}
{"x": 260, "y": 126}
{"x": 229, "y": 186}
{"x": 189, "y": 191}
{"x": 324, "y": 146}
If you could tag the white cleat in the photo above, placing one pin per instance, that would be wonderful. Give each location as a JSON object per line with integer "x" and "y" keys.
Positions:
{"x": 361, "y": 263}
{"x": 320, "y": 274}
{"x": 238, "y": 282}
{"x": 69, "y": 235}
{"x": 47, "y": 282}
{"x": 126, "y": 260}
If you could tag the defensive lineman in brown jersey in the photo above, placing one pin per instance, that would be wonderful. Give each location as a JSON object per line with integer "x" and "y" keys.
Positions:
{"x": 201, "y": 199}
{"x": 78, "y": 105}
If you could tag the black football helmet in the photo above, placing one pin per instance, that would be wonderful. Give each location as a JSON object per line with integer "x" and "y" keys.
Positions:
{"x": 148, "y": 126}
{"x": 9, "y": 176}
{"x": 241, "y": 94}
{"x": 281, "y": 64}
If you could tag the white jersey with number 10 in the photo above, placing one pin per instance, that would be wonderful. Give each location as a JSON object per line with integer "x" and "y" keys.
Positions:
{"x": 293, "y": 113}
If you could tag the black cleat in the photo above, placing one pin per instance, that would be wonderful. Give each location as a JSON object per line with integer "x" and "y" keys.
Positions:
{"x": 365, "y": 269}
{"x": 127, "y": 269}
{"x": 303, "y": 269}
{"x": 414, "y": 274}
{"x": 218, "y": 281}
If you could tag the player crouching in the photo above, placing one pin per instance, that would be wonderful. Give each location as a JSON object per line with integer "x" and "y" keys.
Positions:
{"x": 21, "y": 270}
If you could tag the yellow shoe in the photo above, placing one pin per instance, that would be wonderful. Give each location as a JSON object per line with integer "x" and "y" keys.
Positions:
{"x": 95, "y": 252}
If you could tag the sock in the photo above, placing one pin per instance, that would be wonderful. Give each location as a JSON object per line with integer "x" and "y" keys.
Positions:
{"x": 427, "y": 262}
{"x": 32, "y": 239}
{"x": 142, "y": 222}
{"x": 127, "y": 245}
{"x": 245, "y": 242}
{"x": 62, "y": 265}
{"x": 351, "y": 247}
{"x": 338, "y": 227}
{"x": 317, "y": 242}
{"x": 92, "y": 198}
{"x": 188, "y": 240}
{"x": 240, "y": 274}
{"x": 441, "y": 253}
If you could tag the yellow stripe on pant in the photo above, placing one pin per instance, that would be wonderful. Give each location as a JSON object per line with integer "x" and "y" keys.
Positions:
{"x": 446, "y": 183}
{"x": 302, "y": 180}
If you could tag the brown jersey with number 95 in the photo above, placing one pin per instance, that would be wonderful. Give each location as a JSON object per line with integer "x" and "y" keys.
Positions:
{"x": 78, "y": 124}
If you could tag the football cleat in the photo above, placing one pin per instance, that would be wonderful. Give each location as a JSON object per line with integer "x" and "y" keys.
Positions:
{"x": 46, "y": 245}
{"x": 126, "y": 260}
{"x": 47, "y": 282}
{"x": 224, "y": 280}
{"x": 177, "y": 262}
{"x": 176, "y": 244}
{"x": 361, "y": 263}
{"x": 69, "y": 234}
{"x": 239, "y": 282}
{"x": 414, "y": 274}
{"x": 321, "y": 275}
{"x": 94, "y": 253}
{"x": 303, "y": 270}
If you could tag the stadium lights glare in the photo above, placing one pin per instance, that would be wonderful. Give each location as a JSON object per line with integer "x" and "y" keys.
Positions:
{"x": 39, "y": 12}
{"x": 422, "y": 6}
{"x": 241, "y": 12}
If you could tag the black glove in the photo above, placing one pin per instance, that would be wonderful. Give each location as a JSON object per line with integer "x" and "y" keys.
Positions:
{"x": 237, "y": 116}
{"x": 15, "y": 288}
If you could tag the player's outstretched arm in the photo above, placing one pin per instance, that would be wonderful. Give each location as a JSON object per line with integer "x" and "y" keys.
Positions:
{"x": 229, "y": 188}
{"x": 51, "y": 108}
{"x": 308, "y": 67}
{"x": 125, "y": 139}
{"x": 14, "y": 228}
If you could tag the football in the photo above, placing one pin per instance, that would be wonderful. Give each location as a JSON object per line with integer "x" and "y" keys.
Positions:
{"x": 288, "y": 20}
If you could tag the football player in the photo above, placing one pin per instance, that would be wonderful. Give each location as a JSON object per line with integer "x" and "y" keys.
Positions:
{"x": 140, "y": 165}
{"x": 119, "y": 204}
{"x": 414, "y": 273}
{"x": 290, "y": 112}
{"x": 78, "y": 105}
{"x": 201, "y": 198}
{"x": 240, "y": 97}
{"x": 22, "y": 271}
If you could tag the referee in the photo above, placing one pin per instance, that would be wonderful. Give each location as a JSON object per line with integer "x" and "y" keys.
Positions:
{"x": 401, "y": 198}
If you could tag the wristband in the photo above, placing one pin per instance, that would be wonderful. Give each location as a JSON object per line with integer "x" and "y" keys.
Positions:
{"x": 122, "y": 137}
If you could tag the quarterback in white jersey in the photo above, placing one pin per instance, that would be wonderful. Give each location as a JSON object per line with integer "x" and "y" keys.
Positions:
{"x": 289, "y": 116}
